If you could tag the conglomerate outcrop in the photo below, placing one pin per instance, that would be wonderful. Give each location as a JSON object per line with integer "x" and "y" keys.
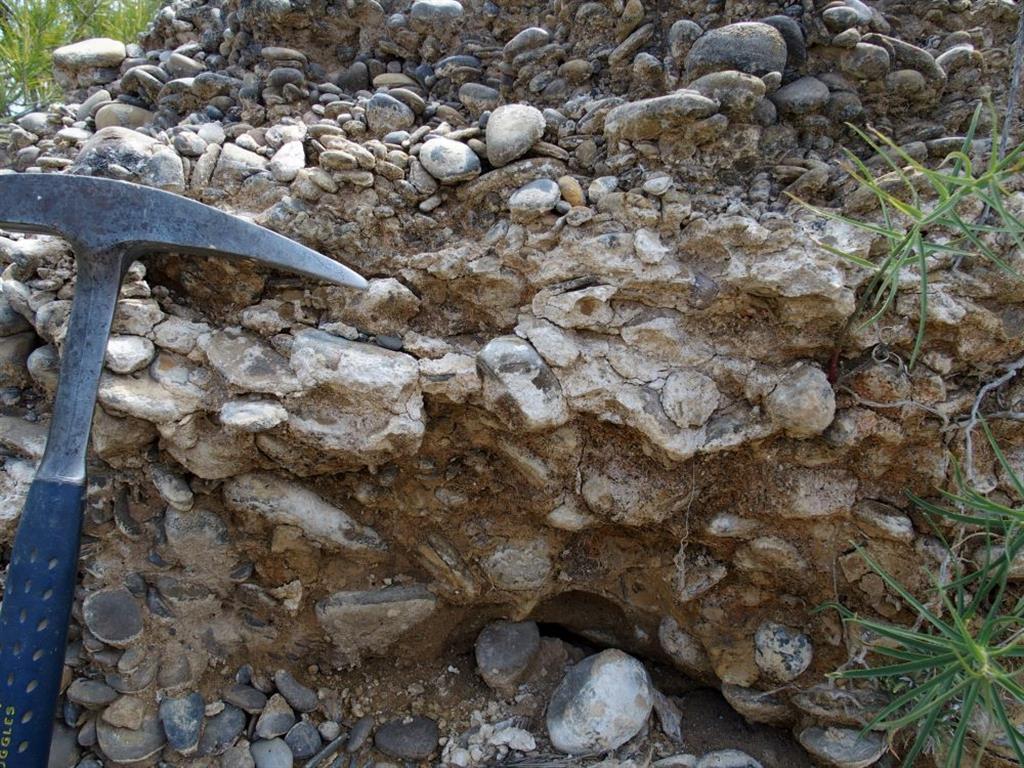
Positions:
{"x": 605, "y": 375}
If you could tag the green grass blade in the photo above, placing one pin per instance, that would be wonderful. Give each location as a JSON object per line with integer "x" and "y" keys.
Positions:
{"x": 925, "y": 733}
{"x": 956, "y": 745}
{"x": 916, "y": 604}
{"x": 1009, "y": 730}
{"x": 1001, "y": 458}
{"x": 895, "y": 670}
{"x": 928, "y": 691}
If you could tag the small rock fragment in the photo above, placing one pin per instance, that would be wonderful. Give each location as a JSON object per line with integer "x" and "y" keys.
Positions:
{"x": 803, "y": 403}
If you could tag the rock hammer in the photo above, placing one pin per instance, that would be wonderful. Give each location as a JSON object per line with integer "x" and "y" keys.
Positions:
{"x": 108, "y": 224}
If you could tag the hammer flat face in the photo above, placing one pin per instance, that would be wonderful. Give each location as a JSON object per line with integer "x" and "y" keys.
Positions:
{"x": 97, "y": 214}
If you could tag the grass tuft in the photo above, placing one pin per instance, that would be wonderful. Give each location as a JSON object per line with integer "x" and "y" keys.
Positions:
{"x": 928, "y": 213}
{"x": 955, "y": 676}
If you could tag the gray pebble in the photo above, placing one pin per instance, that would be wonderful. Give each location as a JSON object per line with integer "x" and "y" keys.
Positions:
{"x": 449, "y": 161}
{"x": 412, "y": 738}
{"x": 435, "y": 15}
{"x": 277, "y": 718}
{"x": 221, "y": 731}
{"x": 295, "y": 693}
{"x": 535, "y": 198}
{"x": 385, "y": 114}
{"x": 360, "y": 732}
{"x": 91, "y": 694}
{"x": 866, "y": 62}
{"x": 113, "y": 616}
{"x": 747, "y": 46}
{"x": 504, "y": 650}
{"x": 808, "y": 94}
{"x": 246, "y": 697}
{"x": 843, "y": 747}
{"x": 271, "y": 754}
{"x": 182, "y": 720}
{"x": 303, "y": 739}
{"x": 796, "y": 46}
{"x": 122, "y": 745}
{"x": 511, "y": 131}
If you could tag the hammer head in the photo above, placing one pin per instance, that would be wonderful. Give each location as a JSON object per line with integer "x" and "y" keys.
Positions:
{"x": 102, "y": 216}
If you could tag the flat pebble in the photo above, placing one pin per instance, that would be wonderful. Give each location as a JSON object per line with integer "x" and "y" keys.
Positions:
{"x": 221, "y": 731}
{"x": 113, "y": 616}
{"x": 182, "y": 720}
{"x": 91, "y": 694}
{"x": 727, "y": 758}
{"x": 303, "y": 739}
{"x": 123, "y": 745}
{"x": 410, "y": 738}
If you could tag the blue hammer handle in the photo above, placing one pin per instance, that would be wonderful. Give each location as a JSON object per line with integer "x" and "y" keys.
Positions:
{"x": 34, "y": 620}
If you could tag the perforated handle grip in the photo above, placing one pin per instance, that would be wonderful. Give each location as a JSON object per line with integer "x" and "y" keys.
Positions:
{"x": 34, "y": 620}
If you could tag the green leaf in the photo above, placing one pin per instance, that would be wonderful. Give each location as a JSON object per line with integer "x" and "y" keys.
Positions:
{"x": 956, "y": 746}
{"x": 896, "y": 670}
{"x": 1009, "y": 730}
{"x": 916, "y": 604}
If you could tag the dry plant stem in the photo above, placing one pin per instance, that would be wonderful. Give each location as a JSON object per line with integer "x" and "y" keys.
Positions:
{"x": 1005, "y": 415}
{"x": 895, "y": 404}
{"x": 1011, "y": 371}
{"x": 327, "y": 751}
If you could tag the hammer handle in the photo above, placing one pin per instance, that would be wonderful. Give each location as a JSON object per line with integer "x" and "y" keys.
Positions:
{"x": 34, "y": 618}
